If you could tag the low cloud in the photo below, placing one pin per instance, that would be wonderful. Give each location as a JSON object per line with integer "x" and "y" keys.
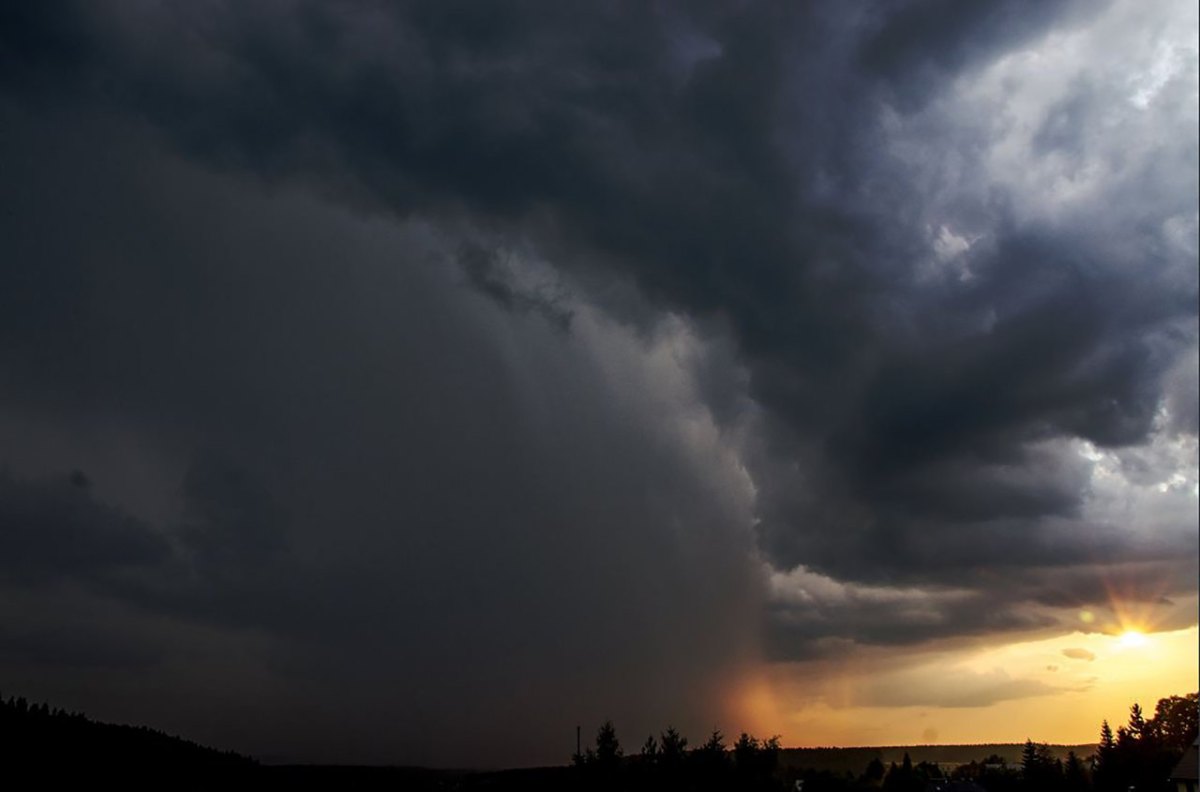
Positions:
{"x": 952, "y": 688}
{"x": 1079, "y": 654}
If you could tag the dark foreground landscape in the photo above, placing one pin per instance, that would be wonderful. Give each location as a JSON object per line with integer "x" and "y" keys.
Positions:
{"x": 56, "y": 747}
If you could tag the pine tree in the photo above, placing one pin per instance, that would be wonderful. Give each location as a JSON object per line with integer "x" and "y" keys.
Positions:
{"x": 1029, "y": 760}
{"x": 715, "y": 744}
{"x": 1137, "y": 722}
{"x": 650, "y": 749}
{"x": 745, "y": 753}
{"x": 1107, "y": 774}
{"x": 1107, "y": 743}
{"x": 711, "y": 754}
{"x": 608, "y": 747}
{"x": 673, "y": 747}
{"x": 903, "y": 778}
{"x": 1074, "y": 775}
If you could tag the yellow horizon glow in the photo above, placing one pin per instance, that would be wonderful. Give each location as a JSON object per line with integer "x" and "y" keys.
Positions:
{"x": 1055, "y": 690}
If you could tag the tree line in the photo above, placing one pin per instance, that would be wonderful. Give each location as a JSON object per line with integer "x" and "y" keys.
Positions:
{"x": 665, "y": 762}
{"x": 62, "y": 747}
{"x": 1138, "y": 755}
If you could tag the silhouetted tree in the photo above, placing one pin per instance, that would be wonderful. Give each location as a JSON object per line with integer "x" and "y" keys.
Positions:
{"x": 745, "y": 753}
{"x": 1040, "y": 769}
{"x": 1074, "y": 774}
{"x": 710, "y": 760}
{"x": 1174, "y": 724}
{"x": 768, "y": 754}
{"x": 650, "y": 749}
{"x": 70, "y": 751}
{"x": 873, "y": 775}
{"x": 1137, "y": 722}
{"x": 1107, "y": 742}
{"x": 755, "y": 762}
{"x": 1143, "y": 752}
{"x": 903, "y": 778}
{"x": 674, "y": 747}
{"x": 714, "y": 745}
{"x": 608, "y": 748}
{"x": 1105, "y": 769}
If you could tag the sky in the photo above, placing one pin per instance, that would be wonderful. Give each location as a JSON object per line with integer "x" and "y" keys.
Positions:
{"x": 413, "y": 382}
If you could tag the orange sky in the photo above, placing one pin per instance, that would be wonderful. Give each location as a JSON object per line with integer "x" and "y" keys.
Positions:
{"x": 1053, "y": 688}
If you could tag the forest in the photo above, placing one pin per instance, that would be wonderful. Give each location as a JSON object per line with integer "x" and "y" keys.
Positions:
{"x": 1138, "y": 755}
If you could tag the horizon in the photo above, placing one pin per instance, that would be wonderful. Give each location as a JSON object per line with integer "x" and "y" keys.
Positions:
{"x": 14, "y": 700}
{"x": 387, "y": 383}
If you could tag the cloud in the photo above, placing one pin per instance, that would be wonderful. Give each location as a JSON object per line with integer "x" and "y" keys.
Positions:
{"x": 54, "y": 528}
{"x": 813, "y": 615}
{"x": 309, "y": 442}
{"x": 1079, "y": 654}
{"x": 954, "y": 688}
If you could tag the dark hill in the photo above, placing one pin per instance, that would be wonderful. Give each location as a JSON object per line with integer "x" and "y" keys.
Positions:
{"x": 54, "y": 747}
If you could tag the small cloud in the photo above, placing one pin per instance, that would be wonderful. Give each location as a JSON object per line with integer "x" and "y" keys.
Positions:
{"x": 952, "y": 688}
{"x": 1079, "y": 654}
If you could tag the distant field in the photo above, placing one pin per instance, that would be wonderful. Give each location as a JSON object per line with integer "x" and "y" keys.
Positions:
{"x": 840, "y": 760}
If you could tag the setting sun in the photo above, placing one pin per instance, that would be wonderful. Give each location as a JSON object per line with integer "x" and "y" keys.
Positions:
{"x": 1132, "y": 639}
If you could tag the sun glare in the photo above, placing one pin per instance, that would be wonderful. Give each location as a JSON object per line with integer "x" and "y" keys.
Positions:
{"x": 1132, "y": 639}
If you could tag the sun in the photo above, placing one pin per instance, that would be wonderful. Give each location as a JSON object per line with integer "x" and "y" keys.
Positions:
{"x": 1132, "y": 639}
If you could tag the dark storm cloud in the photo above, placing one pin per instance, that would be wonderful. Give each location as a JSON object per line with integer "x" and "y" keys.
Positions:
{"x": 231, "y": 523}
{"x": 77, "y": 647}
{"x": 913, "y": 45}
{"x": 488, "y": 272}
{"x": 54, "y": 528}
{"x": 918, "y": 355}
{"x": 816, "y": 629}
{"x": 346, "y": 469}
{"x": 813, "y": 617}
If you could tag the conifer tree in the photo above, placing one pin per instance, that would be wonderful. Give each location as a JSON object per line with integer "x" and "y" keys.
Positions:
{"x": 608, "y": 748}
{"x": 650, "y": 749}
{"x": 673, "y": 747}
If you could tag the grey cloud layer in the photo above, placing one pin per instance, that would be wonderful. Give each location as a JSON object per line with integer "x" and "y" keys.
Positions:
{"x": 923, "y": 347}
{"x": 424, "y": 506}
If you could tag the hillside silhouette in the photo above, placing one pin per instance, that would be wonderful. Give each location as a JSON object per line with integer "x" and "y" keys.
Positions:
{"x": 57, "y": 746}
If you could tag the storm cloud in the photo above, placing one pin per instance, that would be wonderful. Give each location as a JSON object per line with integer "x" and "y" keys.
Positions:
{"x": 578, "y": 358}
